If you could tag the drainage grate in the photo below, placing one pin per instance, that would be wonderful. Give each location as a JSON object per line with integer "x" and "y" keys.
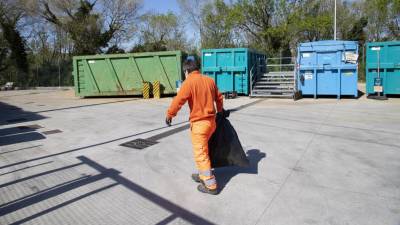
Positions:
{"x": 34, "y": 126}
{"x": 139, "y": 143}
{"x": 17, "y": 120}
{"x": 51, "y": 132}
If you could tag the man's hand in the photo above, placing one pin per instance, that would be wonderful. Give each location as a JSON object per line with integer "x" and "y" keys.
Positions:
{"x": 168, "y": 120}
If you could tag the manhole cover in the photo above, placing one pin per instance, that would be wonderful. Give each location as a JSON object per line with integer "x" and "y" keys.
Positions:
{"x": 34, "y": 126}
{"x": 17, "y": 120}
{"x": 139, "y": 143}
{"x": 51, "y": 132}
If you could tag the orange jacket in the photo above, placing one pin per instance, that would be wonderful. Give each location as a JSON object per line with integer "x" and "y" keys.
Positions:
{"x": 201, "y": 93}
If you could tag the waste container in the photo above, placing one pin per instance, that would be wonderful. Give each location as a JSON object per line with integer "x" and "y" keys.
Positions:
{"x": 231, "y": 67}
{"x": 124, "y": 74}
{"x": 386, "y": 57}
{"x": 328, "y": 68}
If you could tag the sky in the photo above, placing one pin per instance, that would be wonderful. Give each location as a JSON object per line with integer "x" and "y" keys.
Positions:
{"x": 161, "y": 6}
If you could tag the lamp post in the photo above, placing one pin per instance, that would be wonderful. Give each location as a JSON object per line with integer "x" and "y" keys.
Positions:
{"x": 334, "y": 28}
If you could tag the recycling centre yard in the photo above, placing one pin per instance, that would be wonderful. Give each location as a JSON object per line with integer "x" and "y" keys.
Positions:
{"x": 312, "y": 161}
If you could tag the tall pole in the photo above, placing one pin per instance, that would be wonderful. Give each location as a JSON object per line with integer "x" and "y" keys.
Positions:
{"x": 334, "y": 38}
{"x": 59, "y": 73}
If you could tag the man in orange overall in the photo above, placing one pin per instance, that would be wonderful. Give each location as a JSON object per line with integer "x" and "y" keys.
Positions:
{"x": 201, "y": 93}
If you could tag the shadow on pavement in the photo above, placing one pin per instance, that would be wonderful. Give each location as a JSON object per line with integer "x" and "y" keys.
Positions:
{"x": 84, "y": 106}
{"x": 16, "y": 130}
{"x": 20, "y": 138}
{"x": 88, "y": 146}
{"x": 225, "y": 174}
{"x": 103, "y": 173}
{"x": 10, "y": 114}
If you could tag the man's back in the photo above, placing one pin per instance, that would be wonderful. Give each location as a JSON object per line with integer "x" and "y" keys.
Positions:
{"x": 201, "y": 93}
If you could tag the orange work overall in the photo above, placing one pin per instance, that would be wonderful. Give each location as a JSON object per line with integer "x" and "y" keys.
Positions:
{"x": 201, "y": 132}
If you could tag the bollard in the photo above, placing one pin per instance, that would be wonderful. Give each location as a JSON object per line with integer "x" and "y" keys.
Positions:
{"x": 156, "y": 89}
{"x": 146, "y": 90}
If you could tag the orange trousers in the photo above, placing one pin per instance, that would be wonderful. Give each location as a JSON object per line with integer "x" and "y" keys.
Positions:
{"x": 201, "y": 132}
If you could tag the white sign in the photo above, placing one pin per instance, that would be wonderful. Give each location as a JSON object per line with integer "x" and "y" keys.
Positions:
{"x": 378, "y": 89}
{"x": 91, "y": 61}
{"x": 208, "y": 54}
{"x": 306, "y": 55}
{"x": 308, "y": 76}
{"x": 351, "y": 57}
{"x": 376, "y": 48}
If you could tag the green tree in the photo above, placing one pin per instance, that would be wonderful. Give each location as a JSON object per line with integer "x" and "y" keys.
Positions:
{"x": 160, "y": 32}
{"x": 218, "y": 22}
{"x": 383, "y": 19}
{"x": 10, "y": 15}
{"x": 91, "y": 30}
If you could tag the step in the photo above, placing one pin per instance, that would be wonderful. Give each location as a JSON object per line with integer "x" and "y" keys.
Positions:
{"x": 282, "y": 75}
{"x": 273, "y": 88}
{"x": 281, "y": 72}
{"x": 277, "y": 79}
{"x": 272, "y": 91}
{"x": 274, "y": 82}
{"x": 271, "y": 96}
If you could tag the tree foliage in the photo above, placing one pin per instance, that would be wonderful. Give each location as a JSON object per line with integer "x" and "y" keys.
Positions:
{"x": 10, "y": 16}
{"x": 91, "y": 30}
{"x": 160, "y": 32}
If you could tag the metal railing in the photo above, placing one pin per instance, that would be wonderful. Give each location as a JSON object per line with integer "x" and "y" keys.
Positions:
{"x": 281, "y": 64}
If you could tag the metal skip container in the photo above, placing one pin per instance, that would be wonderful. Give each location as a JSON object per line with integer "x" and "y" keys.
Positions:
{"x": 383, "y": 67}
{"x": 231, "y": 67}
{"x": 328, "y": 68}
{"x": 124, "y": 74}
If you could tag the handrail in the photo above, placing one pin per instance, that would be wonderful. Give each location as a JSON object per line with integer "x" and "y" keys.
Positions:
{"x": 251, "y": 80}
{"x": 278, "y": 63}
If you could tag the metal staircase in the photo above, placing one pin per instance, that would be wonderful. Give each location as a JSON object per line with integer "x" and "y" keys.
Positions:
{"x": 277, "y": 84}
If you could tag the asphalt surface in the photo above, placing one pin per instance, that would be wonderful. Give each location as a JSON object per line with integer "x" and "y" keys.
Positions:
{"x": 318, "y": 161}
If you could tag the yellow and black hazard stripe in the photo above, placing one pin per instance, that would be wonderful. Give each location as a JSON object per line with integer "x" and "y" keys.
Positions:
{"x": 146, "y": 90}
{"x": 156, "y": 89}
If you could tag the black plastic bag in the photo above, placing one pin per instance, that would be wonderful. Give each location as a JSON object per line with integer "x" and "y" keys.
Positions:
{"x": 224, "y": 146}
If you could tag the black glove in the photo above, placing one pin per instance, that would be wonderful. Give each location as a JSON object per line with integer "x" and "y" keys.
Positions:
{"x": 168, "y": 121}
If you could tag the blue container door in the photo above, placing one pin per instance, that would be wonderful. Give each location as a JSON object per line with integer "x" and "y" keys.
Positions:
{"x": 224, "y": 81}
{"x": 307, "y": 82}
{"x": 393, "y": 86}
{"x": 307, "y": 58}
{"x": 327, "y": 82}
{"x": 348, "y": 82}
{"x": 209, "y": 60}
{"x": 392, "y": 75}
{"x": 241, "y": 85}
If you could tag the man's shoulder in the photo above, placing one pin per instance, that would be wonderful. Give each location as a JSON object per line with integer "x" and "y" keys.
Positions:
{"x": 209, "y": 79}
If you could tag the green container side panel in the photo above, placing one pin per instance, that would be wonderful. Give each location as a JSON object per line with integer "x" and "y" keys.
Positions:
{"x": 230, "y": 67}
{"x": 389, "y": 66}
{"x": 124, "y": 74}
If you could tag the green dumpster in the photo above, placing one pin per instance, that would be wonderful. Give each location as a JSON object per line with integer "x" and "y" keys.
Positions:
{"x": 124, "y": 74}
{"x": 386, "y": 57}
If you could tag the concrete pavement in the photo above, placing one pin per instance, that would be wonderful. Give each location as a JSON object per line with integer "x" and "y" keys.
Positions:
{"x": 312, "y": 162}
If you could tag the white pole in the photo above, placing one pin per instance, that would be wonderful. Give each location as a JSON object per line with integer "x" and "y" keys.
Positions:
{"x": 335, "y": 23}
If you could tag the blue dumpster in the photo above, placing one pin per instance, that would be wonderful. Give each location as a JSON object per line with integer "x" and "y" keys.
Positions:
{"x": 231, "y": 67}
{"x": 328, "y": 68}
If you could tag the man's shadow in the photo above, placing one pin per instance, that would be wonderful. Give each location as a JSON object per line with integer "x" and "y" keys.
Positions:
{"x": 225, "y": 174}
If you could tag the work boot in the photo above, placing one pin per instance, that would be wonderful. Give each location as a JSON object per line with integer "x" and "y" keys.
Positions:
{"x": 196, "y": 177}
{"x": 202, "y": 188}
